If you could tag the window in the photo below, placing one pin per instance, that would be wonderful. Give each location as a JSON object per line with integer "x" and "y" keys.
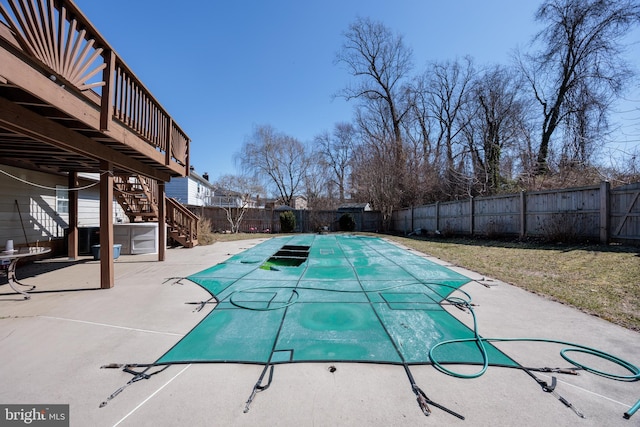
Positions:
{"x": 62, "y": 199}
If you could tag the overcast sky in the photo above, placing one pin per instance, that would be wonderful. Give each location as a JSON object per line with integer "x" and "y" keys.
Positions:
{"x": 222, "y": 68}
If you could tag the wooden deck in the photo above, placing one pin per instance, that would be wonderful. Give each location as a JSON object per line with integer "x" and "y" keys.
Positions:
{"x": 68, "y": 101}
{"x": 69, "y": 104}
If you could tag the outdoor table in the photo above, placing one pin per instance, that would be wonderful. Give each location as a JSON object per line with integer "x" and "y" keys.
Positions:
{"x": 14, "y": 256}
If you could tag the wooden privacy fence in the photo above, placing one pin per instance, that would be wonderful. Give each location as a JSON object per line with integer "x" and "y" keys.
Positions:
{"x": 307, "y": 221}
{"x": 593, "y": 213}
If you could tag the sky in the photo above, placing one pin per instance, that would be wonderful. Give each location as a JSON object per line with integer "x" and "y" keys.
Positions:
{"x": 221, "y": 68}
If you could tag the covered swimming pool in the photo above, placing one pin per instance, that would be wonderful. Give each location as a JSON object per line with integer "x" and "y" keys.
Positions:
{"x": 319, "y": 298}
{"x": 350, "y": 299}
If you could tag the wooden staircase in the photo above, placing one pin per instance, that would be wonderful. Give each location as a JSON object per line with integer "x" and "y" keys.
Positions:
{"x": 138, "y": 197}
{"x": 183, "y": 224}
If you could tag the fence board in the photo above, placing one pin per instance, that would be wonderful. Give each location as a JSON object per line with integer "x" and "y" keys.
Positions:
{"x": 454, "y": 217}
{"x": 565, "y": 214}
{"x": 497, "y": 216}
{"x": 625, "y": 213}
{"x": 307, "y": 221}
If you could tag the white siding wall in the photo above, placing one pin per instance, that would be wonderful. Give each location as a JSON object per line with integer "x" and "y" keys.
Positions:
{"x": 37, "y": 207}
{"x": 89, "y": 208}
{"x": 185, "y": 191}
{"x": 195, "y": 198}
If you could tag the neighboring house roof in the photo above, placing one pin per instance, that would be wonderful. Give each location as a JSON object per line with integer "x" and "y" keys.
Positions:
{"x": 355, "y": 207}
{"x": 224, "y": 192}
{"x": 193, "y": 190}
{"x": 299, "y": 203}
{"x": 204, "y": 180}
{"x": 284, "y": 208}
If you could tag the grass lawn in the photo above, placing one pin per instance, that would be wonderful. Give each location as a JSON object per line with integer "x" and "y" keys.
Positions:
{"x": 600, "y": 280}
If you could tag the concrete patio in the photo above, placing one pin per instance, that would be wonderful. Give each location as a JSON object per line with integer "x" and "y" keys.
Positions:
{"x": 53, "y": 346}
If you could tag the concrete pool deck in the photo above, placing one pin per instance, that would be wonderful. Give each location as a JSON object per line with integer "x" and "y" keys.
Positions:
{"x": 52, "y": 348}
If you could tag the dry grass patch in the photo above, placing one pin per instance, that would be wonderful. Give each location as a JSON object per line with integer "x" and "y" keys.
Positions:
{"x": 208, "y": 237}
{"x": 600, "y": 280}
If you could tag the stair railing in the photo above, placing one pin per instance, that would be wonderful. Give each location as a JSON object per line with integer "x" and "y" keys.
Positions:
{"x": 181, "y": 220}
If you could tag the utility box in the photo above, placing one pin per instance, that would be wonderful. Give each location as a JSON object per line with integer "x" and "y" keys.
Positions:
{"x": 137, "y": 238}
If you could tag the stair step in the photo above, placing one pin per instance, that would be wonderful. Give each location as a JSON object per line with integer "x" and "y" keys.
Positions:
{"x": 136, "y": 199}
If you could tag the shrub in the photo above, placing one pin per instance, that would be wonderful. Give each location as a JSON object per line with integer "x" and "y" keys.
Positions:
{"x": 347, "y": 223}
{"x": 564, "y": 227}
{"x": 287, "y": 222}
{"x": 494, "y": 229}
{"x": 205, "y": 233}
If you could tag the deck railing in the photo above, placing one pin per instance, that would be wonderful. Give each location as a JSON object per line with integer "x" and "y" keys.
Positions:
{"x": 182, "y": 221}
{"x": 58, "y": 35}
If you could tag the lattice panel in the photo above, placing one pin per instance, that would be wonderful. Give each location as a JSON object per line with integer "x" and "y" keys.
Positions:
{"x": 48, "y": 31}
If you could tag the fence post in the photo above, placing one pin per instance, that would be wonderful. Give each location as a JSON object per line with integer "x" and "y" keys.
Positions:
{"x": 523, "y": 214}
{"x": 437, "y": 216}
{"x": 413, "y": 225}
{"x": 605, "y": 211}
{"x": 471, "y": 215}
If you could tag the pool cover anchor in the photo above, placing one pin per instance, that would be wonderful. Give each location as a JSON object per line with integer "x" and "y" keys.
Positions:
{"x": 551, "y": 389}
{"x": 259, "y": 387}
{"x": 137, "y": 376}
{"x": 176, "y": 280}
{"x": 201, "y": 304}
{"x": 423, "y": 400}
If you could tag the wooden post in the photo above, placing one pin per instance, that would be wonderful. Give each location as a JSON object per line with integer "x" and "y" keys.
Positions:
{"x": 107, "y": 90}
{"x": 162, "y": 221}
{"x": 169, "y": 135}
{"x": 413, "y": 225}
{"x": 72, "y": 237}
{"x": 523, "y": 214}
{"x": 106, "y": 225}
{"x": 605, "y": 211}
{"x": 437, "y": 216}
{"x": 472, "y": 214}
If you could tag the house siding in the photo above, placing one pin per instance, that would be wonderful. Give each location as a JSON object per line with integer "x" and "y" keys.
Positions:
{"x": 35, "y": 214}
{"x": 185, "y": 191}
{"x": 194, "y": 197}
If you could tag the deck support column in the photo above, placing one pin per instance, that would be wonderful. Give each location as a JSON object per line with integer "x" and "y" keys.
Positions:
{"x": 162, "y": 221}
{"x": 106, "y": 225}
{"x": 72, "y": 237}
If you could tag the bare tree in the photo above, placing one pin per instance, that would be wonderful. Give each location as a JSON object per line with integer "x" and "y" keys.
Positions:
{"x": 235, "y": 194}
{"x": 496, "y": 119}
{"x": 374, "y": 177}
{"x": 448, "y": 92}
{"x": 336, "y": 150}
{"x": 277, "y": 158}
{"x": 380, "y": 62}
{"x": 579, "y": 69}
{"x": 317, "y": 180}
{"x": 421, "y": 143}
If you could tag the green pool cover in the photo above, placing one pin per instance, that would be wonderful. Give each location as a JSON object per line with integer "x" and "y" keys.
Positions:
{"x": 312, "y": 298}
